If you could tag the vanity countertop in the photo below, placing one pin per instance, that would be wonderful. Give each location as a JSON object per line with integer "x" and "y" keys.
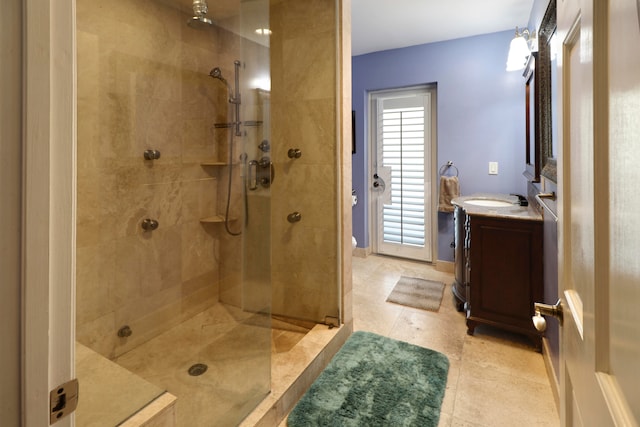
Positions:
{"x": 514, "y": 211}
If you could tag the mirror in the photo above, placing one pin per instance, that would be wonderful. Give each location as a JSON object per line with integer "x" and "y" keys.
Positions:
{"x": 546, "y": 79}
{"x": 532, "y": 171}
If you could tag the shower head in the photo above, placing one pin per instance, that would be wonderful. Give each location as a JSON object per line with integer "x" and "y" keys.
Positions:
{"x": 199, "y": 22}
{"x": 199, "y": 19}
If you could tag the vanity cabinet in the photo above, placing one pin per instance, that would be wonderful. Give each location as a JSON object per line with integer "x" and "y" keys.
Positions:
{"x": 505, "y": 273}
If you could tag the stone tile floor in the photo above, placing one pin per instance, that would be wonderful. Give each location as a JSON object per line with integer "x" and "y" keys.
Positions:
{"x": 237, "y": 348}
{"x": 495, "y": 378}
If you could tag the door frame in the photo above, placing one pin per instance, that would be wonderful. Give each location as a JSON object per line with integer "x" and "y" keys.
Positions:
{"x": 49, "y": 203}
{"x": 432, "y": 89}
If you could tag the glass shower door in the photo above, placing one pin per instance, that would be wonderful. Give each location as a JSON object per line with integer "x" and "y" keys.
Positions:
{"x": 173, "y": 245}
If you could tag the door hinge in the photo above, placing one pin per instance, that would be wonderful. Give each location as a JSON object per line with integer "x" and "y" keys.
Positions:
{"x": 63, "y": 400}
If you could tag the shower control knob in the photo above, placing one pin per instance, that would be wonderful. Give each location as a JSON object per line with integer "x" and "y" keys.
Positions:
{"x": 151, "y": 154}
{"x": 264, "y": 146}
{"x": 149, "y": 224}
{"x": 294, "y": 153}
{"x": 294, "y": 217}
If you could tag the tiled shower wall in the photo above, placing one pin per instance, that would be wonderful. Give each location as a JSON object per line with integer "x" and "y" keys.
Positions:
{"x": 304, "y": 116}
{"x": 143, "y": 84}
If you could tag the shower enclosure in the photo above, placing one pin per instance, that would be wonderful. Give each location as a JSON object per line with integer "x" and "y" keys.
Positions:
{"x": 194, "y": 225}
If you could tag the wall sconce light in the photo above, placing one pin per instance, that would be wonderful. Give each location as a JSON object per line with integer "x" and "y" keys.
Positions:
{"x": 520, "y": 49}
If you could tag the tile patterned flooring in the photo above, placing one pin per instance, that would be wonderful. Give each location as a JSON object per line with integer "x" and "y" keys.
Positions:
{"x": 495, "y": 378}
{"x": 235, "y": 346}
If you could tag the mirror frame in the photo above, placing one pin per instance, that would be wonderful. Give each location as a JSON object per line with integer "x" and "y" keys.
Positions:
{"x": 543, "y": 81}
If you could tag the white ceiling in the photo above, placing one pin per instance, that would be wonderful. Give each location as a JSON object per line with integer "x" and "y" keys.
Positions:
{"x": 389, "y": 24}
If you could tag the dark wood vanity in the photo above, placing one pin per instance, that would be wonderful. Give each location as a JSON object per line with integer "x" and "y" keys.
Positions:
{"x": 501, "y": 269}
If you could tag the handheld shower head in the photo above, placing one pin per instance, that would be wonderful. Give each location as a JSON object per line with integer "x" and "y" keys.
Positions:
{"x": 234, "y": 96}
{"x": 216, "y": 73}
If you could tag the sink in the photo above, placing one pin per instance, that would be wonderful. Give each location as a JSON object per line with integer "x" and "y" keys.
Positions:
{"x": 489, "y": 203}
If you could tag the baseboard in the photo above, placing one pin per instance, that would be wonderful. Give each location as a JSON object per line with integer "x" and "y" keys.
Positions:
{"x": 361, "y": 252}
{"x": 445, "y": 266}
{"x": 551, "y": 373}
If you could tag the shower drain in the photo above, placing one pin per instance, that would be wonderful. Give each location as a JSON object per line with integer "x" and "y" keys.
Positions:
{"x": 197, "y": 369}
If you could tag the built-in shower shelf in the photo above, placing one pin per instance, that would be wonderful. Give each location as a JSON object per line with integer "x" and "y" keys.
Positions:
{"x": 250, "y": 123}
{"x": 214, "y": 163}
{"x": 215, "y": 219}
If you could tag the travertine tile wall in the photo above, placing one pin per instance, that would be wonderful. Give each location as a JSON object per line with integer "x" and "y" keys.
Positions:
{"x": 143, "y": 84}
{"x": 304, "y": 116}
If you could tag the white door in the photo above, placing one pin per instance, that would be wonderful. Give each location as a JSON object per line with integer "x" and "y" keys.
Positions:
{"x": 598, "y": 232}
{"x": 401, "y": 172}
{"x": 48, "y": 205}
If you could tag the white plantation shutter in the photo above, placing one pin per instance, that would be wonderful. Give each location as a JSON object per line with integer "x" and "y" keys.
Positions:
{"x": 402, "y": 126}
{"x": 403, "y": 151}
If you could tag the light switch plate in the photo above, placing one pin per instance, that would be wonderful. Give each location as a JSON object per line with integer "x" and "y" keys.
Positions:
{"x": 493, "y": 168}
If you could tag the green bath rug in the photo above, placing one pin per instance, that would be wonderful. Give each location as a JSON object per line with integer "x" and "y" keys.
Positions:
{"x": 375, "y": 381}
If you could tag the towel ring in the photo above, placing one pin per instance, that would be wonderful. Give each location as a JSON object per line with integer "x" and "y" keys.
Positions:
{"x": 445, "y": 168}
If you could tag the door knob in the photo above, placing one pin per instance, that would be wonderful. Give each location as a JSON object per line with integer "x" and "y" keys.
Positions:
{"x": 541, "y": 309}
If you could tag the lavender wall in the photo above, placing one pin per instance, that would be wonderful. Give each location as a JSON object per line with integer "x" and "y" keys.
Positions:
{"x": 480, "y": 110}
{"x": 550, "y": 237}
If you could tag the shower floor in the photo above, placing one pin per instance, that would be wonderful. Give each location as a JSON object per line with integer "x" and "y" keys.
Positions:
{"x": 231, "y": 343}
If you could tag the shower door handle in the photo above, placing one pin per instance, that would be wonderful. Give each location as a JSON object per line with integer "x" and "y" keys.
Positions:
{"x": 261, "y": 172}
{"x": 252, "y": 175}
{"x": 266, "y": 173}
